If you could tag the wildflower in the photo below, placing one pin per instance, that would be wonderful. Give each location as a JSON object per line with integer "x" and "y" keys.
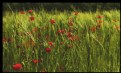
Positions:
{"x": 48, "y": 50}
{"x": 52, "y": 21}
{"x": 116, "y": 27}
{"x": 31, "y": 18}
{"x": 17, "y": 66}
{"x": 93, "y": 29}
{"x": 34, "y": 29}
{"x": 72, "y": 38}
{"x": 76, "y": 13}
{"x": 100, "y": 21}
{"x": 22, "y": 12}
{"x": 76, "y": 37}
{"x": 50, "y": 43}
{"x": 30, "y": 11}
{"x": 36, "y": 61}
{"x": 60, "y": 31}
{"x": 69, "y": 34}
{"x": 99, "y": 16}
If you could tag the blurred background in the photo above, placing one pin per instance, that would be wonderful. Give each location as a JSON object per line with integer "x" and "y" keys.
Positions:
{"x": 61, "y": 6}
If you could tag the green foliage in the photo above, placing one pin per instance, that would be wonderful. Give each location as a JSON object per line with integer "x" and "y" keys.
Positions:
{"x": 97, "y": 51}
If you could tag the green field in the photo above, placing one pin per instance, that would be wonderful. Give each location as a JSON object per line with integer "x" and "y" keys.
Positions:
{"x": 61, "y": 41}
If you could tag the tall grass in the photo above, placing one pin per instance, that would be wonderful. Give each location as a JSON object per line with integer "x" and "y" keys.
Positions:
{"x": 97, "y": 51}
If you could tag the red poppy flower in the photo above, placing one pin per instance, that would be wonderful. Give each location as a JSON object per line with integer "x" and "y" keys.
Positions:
{"x": 99, "y": 16}
{"x": 69, "y": 34}
{"x": 60, "y": 31}
{"x": 117, "y": 27}
{"x": 52, "y": 21}
{"x": 100, "y": 21}
{"x": 31, "y": 18}
{"x": 34, "y": 29}
{"x": 30, "y": 11}
{"x": 76, "y": 13}
{"x": 76, "y": 37}
{"x": 50, "y": 43}
{"x": 17, "y": 66}
{"x": 36, "y": 61}
{"x": 22, "y": 12}
{"x": 93, "y": 29}
{"x": 72, "y": 38}
{"x": 48, "y": 50}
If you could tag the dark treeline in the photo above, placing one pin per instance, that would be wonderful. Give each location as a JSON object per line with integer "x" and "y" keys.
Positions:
{"x": 61, "y": 6}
